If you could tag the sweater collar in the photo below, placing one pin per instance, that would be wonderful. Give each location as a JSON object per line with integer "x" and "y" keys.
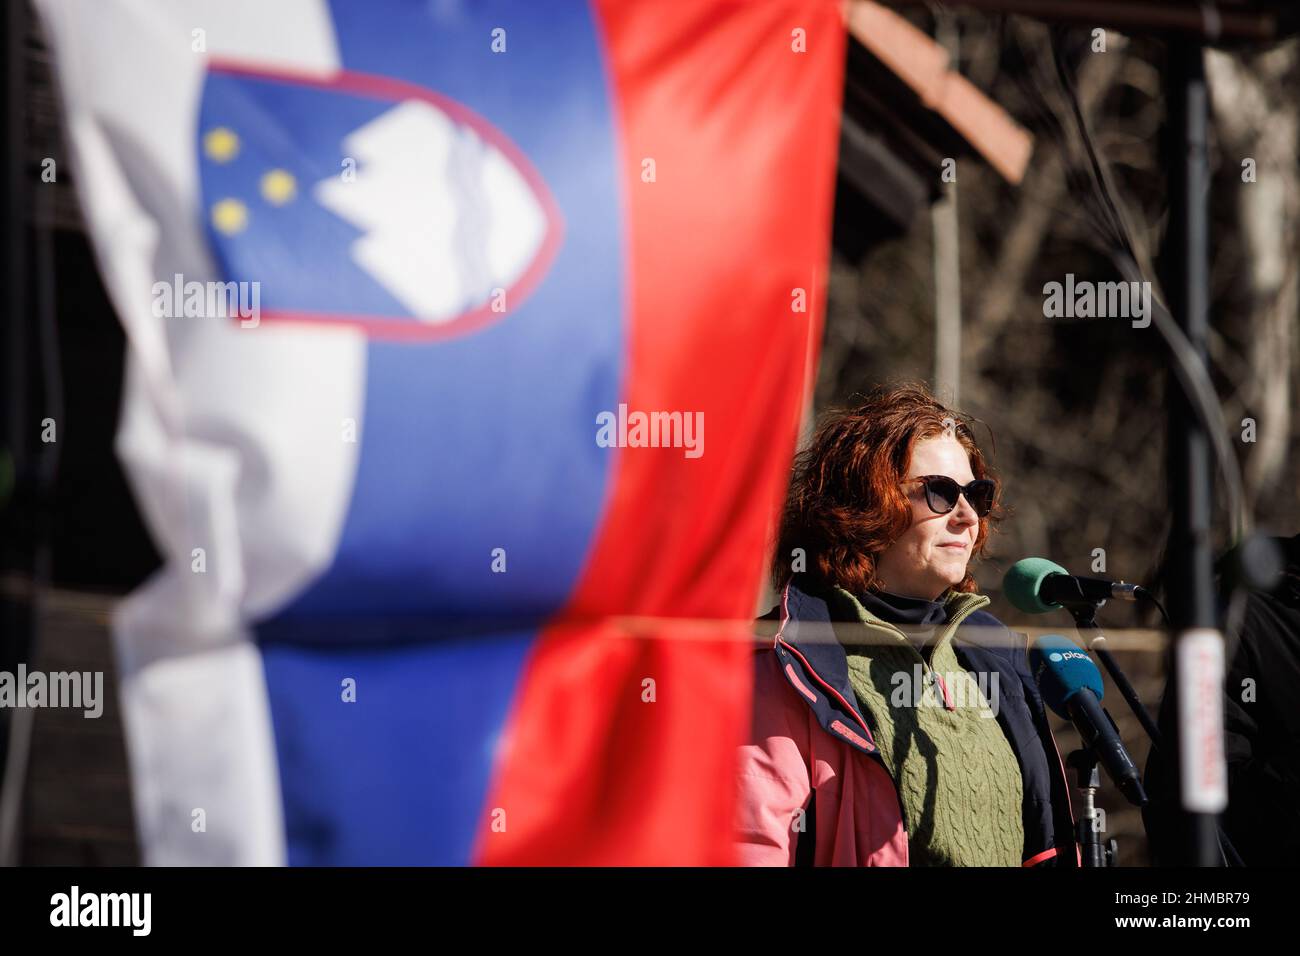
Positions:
{"x": 841, "y": 605}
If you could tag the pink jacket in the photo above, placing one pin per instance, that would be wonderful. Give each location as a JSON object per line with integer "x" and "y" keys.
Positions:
{"x": 859, "y": 821}
{"x": 808, "y": 739}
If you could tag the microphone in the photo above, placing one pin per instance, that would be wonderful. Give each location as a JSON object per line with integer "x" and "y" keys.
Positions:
{"x": 1071, "y": 686}
{"x": 1036, "y": 586}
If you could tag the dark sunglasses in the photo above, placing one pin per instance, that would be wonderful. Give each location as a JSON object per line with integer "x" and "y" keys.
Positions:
{"x": 942, "y": 492}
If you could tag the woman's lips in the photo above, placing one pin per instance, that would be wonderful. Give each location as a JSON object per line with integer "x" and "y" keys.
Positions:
{"x": 955, "y": 544}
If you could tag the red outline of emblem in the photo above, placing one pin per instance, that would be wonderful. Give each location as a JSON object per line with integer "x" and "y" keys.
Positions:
{"x": 393, "y": 90}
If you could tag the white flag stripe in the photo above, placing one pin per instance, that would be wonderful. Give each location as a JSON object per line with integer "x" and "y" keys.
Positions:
{"x": 233, "y": 437}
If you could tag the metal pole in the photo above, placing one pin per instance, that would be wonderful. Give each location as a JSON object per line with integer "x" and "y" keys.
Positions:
{"x": 13, "y": 220}
{"x": 947, "y": 265}
{"x": 15, "y": 541}
{"x": 1192, "y": 608}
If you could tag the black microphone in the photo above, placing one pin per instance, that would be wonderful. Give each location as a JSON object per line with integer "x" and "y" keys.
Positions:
{"x": 1036, "y": 586}
{"x": 1071, "y": 685}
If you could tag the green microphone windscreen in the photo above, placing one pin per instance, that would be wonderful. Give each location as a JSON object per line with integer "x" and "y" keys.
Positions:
{"x": 1023, "y": 579}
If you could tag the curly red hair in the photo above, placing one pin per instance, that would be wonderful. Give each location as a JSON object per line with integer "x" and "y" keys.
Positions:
{"x": 846, "y": 502}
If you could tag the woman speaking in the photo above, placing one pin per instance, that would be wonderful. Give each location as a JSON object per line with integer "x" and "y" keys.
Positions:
{"x": 895, "y": 722}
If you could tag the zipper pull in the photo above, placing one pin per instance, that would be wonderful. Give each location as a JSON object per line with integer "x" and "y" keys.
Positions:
{"x": 947, "y": 698}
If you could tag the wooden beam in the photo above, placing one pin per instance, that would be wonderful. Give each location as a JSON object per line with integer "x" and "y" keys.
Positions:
{"x": 923, "y": 65}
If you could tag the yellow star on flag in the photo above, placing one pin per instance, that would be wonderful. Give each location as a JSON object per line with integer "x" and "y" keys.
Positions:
{"x": 279, "y": 187}
{"x": 230, "y": 216}
{"x": 221, "y": 144}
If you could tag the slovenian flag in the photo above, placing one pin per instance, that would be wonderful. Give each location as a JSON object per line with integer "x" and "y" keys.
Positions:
{"x": 431, "y": 307}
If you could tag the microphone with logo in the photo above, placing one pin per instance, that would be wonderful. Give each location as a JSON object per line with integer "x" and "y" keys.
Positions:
{"x": 1071, "y": 686}
{"x": 1037, "y": 586}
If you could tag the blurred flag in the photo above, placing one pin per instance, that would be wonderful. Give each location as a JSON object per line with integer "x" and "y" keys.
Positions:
{"x": 432, "y": 307}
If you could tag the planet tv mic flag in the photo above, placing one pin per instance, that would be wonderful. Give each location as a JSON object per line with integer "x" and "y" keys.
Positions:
{"x": 428, "y": 307}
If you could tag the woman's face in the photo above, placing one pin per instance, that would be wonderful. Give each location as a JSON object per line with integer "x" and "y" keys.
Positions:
{"x": 931, "y": 556}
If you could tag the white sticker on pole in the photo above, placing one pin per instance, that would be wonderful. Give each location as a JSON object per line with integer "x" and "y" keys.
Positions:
{"x": 1204, "y": 778}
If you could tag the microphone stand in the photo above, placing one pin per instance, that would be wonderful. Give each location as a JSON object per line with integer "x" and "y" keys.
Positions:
{"x": 1085, "y": 620}
{"x": 1092, "y": 852}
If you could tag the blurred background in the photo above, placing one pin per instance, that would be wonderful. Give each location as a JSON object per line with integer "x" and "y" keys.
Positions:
{"x": 1074, "y": 409}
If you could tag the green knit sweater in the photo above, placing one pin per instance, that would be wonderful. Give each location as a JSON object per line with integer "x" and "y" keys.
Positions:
{"x": 958, "y": 780}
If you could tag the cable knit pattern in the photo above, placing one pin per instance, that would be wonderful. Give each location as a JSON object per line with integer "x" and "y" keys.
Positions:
{"x": 957, "y": 777}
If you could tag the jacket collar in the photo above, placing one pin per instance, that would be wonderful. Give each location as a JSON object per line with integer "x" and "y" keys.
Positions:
{"x": 806, "y": 624}
{"x": 815, "y": 664}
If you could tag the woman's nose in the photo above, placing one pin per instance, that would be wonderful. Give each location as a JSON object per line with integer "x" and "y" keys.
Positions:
{"x": 964, "y": 512}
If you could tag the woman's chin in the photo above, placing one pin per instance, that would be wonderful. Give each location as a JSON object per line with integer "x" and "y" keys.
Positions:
{"x": 952, "y": 574}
